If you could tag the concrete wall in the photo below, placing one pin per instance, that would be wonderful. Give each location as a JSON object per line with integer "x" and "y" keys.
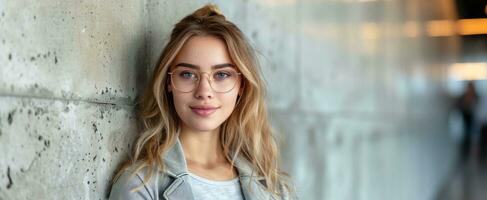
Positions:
{"x": 358, "y": 102}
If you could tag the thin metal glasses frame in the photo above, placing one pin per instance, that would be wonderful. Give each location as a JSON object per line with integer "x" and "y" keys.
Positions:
{"x": 210, "y": 78}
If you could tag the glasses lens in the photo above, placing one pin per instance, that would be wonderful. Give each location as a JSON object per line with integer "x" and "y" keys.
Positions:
{"x": 184, "y": 80}
{"x": 224, "y": 80}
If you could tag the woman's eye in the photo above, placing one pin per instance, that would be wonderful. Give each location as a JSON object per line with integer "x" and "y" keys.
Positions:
{"x": 222, "y": 75}
{"x": 187, "y": 75}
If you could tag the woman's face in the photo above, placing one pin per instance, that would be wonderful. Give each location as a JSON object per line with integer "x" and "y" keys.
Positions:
{"x": 203, "y": 109}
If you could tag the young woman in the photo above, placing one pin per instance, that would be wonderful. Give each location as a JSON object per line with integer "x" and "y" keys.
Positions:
{"x": 206, "y": 133}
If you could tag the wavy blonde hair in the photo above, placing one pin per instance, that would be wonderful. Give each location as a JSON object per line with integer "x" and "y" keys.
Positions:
{"x": 245, "y": 133}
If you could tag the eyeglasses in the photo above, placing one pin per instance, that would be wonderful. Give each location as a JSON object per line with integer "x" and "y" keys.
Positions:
{"x": 221, "y": 80}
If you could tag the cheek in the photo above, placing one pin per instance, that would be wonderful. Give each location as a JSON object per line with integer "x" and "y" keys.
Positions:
{"x": 231, "y": 99}
{"x": 179, "y": 103}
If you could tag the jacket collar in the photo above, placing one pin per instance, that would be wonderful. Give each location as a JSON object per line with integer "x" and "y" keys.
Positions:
{"x": 174, "y": 161}
{"x": 176, "y": 167}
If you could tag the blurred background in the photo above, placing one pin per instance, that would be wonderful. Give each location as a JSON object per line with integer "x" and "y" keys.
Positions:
{"x": 371, "y": 99}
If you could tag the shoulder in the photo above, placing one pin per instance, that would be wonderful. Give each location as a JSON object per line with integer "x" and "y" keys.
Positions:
{"x": 133, "y": 185}
{"x": 287, "y": 188}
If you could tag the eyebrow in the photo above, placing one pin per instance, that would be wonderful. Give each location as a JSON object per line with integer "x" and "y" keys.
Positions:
{"x": 197, "y": 67}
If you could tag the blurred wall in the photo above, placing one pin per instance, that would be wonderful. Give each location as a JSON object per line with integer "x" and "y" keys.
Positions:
{"x": 356, "y": 92}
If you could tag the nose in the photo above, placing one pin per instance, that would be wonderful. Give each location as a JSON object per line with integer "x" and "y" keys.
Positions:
{"x": 203, "y": 87}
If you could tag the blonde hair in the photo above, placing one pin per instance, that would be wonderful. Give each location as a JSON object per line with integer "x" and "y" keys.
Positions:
{"x": 245, "y": 133}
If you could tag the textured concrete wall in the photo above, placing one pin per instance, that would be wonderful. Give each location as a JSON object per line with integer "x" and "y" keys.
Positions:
{"x": 362, "y": 115}
{"x": 69, "y": 74}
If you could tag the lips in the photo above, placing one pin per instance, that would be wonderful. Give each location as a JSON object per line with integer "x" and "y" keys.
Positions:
{"x": 203, "y": 111}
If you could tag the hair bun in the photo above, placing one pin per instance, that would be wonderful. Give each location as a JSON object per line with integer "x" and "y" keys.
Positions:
{"x": 207, "y": 11}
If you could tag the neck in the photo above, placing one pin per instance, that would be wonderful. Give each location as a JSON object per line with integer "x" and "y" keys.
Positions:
{"x": 202, "y": 147}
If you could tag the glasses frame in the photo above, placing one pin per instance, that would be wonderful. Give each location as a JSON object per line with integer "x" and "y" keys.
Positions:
{"x": 210, "y": 80}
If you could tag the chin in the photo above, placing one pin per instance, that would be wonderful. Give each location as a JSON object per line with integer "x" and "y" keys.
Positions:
{"x": 205, "y": 129}
{"x": 203, "y": 126}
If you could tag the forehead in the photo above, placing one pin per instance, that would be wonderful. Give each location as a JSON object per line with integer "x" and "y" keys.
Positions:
{"x": 204, "y": 52}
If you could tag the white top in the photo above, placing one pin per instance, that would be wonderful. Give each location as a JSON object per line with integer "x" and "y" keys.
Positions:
{"x": 205, "y": 189}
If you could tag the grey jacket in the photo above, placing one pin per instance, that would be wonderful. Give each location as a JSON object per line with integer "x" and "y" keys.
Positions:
{"x": 173, "y": 183}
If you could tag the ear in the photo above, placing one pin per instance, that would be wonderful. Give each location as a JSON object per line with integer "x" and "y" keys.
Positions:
{"x": 241, "y": 89}
{"x": 169, "y": 88}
